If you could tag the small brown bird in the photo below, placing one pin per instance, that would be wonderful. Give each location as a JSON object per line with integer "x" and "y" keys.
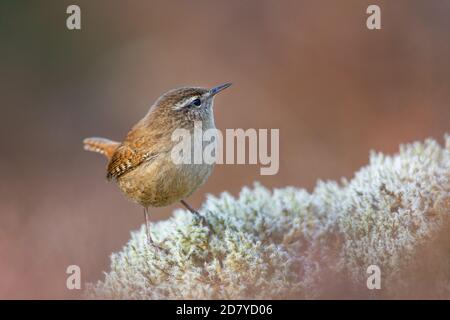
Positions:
{"x": 142, "y": 164}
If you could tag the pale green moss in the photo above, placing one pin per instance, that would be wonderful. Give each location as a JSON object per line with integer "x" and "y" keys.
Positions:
{"x": 288, "y": 243}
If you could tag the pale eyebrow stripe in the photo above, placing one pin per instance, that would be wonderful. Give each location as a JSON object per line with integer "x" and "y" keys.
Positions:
{"x": 184, "y": 103}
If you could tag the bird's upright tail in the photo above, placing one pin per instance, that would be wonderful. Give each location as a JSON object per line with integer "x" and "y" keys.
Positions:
{"x": 101, "y": 145}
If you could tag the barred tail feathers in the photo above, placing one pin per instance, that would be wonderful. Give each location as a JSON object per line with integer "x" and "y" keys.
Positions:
{"x": 101, "y": 145}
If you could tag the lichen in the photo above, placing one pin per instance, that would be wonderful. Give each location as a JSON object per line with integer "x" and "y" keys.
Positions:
{"x": 288, "y": 243}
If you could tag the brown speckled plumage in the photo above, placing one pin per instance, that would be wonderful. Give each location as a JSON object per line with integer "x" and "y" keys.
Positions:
{"x": 142, "y": 163}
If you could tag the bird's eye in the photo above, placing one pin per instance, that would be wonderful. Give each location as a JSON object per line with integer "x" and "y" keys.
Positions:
{"x": 197, "y": 102}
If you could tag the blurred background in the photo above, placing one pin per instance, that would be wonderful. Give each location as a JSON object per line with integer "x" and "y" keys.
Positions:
{"x": 335, "y": 89}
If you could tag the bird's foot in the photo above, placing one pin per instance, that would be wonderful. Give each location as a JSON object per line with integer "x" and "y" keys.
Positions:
{"x": 199, "y": 216}
{"x": 204, "y": 222}
{"x": 156, "y": 247}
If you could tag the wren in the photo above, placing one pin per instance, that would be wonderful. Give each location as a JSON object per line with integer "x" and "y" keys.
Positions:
{"x": 142, "y": 164}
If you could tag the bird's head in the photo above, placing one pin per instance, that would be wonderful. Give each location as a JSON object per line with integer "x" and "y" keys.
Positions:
{"x": 188, "y": 103}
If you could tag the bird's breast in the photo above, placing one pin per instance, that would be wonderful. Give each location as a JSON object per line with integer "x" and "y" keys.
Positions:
{"x": 163, "y": 181}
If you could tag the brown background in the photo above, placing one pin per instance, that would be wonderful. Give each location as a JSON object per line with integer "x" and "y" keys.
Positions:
{"x": 310, "y": 68}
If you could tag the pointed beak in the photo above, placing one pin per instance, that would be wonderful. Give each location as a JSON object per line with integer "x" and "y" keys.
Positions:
{"x": 216, "y": 90}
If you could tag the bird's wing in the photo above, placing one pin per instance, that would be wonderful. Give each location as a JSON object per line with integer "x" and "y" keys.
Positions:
{"x": 141, "y": 144}
{"x": 126, "y": 159}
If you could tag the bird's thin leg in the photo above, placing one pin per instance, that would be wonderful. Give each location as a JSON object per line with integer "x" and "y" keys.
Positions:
{"x": 202, "y": 218}
{"x": 147, "y": 229}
